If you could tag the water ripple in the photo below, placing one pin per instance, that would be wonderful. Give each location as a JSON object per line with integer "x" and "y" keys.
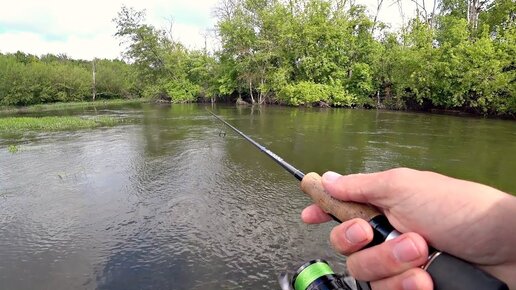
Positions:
{"x": 167, "y": 203}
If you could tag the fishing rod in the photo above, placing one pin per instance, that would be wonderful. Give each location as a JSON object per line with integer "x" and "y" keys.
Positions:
{"x": 291, "y": 169}
{"x": 447, "y": 272}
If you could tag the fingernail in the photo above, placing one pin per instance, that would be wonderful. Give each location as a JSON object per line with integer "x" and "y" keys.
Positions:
{"x": 330, "y": 176}
{"x": 355, "y": 234}
{"x": 406, "y": 251}
{"x": 409, "y": 283}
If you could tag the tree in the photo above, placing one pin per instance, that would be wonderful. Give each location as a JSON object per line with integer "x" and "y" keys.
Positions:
{"x": 162, "y": 63}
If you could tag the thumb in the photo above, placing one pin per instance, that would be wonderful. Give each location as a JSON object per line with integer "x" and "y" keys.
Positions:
{"x": 373, "y": 188}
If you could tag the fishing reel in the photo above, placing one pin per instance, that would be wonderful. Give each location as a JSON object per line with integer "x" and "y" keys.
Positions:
{"x": 318, "y": 275}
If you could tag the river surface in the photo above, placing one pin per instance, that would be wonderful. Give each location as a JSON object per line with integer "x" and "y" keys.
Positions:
{"x": 165, "y": 201}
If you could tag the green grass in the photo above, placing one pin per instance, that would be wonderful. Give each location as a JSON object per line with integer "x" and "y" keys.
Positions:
{"x": 69, "y": 105}
{"x": 23, "y": 124}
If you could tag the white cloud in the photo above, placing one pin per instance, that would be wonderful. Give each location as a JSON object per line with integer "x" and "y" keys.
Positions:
{"x": 100, "y": 45}
{"x": 84, "y": 29}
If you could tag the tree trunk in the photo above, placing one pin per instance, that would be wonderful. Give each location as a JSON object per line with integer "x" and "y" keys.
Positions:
{"x": 94, "y": 81}
{"x": 432, "y": 17}
{"x": 251, "y": 91}
{"x": 474, "y": 8}
{"x": 378, "y": 7}
{"x": 261, "y": 98}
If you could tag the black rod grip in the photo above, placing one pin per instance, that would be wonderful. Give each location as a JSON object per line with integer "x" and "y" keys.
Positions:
{"x": 451, "y": 273}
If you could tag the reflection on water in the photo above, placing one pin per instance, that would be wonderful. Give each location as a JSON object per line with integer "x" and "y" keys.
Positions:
{"x": 167, "y": 203}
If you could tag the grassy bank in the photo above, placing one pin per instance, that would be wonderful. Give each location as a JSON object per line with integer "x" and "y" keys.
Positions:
{"x": 22, "y": 124}
{"x": 69, "y": 105}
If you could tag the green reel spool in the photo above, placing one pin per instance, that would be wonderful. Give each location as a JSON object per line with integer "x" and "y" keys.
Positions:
{"x": 317, "y": 275}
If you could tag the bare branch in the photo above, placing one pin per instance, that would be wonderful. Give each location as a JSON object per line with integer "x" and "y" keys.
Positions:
{"x": 378, "y": 7}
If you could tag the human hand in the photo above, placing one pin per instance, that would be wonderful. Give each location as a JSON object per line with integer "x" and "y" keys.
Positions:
{"x": 466, "y": 219}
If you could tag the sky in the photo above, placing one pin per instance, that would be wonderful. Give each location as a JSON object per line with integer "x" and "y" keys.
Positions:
{"x": 85, "y": 30}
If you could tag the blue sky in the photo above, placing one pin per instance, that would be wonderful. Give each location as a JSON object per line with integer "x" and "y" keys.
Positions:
{"x": 84, "y": 29}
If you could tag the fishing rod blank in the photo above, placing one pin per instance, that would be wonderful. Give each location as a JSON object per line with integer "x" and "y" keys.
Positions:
{"x": 294, "y": 171}
{"x": 447, "y": 271}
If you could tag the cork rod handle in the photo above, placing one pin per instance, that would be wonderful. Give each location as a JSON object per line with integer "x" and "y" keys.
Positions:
{"x": 342, "y": 210}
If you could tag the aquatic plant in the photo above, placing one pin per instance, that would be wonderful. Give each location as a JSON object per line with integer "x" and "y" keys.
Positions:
{"x": 12, "y": 149}
{"x": 69, "y": 105}
{"x": 54, "y": 123}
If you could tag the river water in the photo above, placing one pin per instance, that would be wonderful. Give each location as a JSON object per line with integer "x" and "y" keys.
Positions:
{"x": 165, "y": 201}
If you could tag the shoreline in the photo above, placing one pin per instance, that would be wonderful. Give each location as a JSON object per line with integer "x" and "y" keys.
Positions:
{"x": 88, "y": 104}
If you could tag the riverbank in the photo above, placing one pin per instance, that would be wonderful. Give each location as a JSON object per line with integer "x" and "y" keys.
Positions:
{"x": 69, "y": 105}
{"x": 114, "y": 102}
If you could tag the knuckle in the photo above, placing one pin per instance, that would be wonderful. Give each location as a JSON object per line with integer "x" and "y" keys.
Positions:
{"x": 414, "y": 278}
{"x": 419, "y": 278}
{"x": 397, "y": 177}
{"x": 351, "y": 236}
{"x": 399, "y": 173}
{"x": 389, "y": 259}
{"x": 357, "y": 270}
{"x": 337, "y": 243}
{"x": 370, "y": 264}
{"x": 408, "y": 250}
{"x": 420, "y": 244}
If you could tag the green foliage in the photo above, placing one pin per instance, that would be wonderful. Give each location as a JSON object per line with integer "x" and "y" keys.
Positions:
{"x": 450, "y": 67}
{"x": 342, "y": 98}
{"x": 182, "y": 92}
{"x": 27, "y": 79}
{"x": 165, "y": 69}
{"x": 361, "y": 82}
{"x": 498, "y": 16}
{"x": 115, "y": 79}
{"x": 309, "y": 93}
{"x": 305, "y": 93}
{"x": 290, "y": 52}
{"x": 301, "y": 52}
{"x": 201, "y": 69}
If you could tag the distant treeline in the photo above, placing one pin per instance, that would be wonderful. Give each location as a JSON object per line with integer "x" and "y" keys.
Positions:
{"x": 27, "y": 79}
{"x": 458, "y": 55}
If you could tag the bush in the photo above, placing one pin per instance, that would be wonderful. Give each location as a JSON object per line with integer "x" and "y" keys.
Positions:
{"x": 342, "y": 98}
{"x": 308, "y": 93}
{"x": 183, "y": 91}
{"x": 305, "y": 93}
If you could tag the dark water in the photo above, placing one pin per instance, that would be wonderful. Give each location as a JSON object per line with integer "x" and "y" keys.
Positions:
{"x": 166, "y": 203}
